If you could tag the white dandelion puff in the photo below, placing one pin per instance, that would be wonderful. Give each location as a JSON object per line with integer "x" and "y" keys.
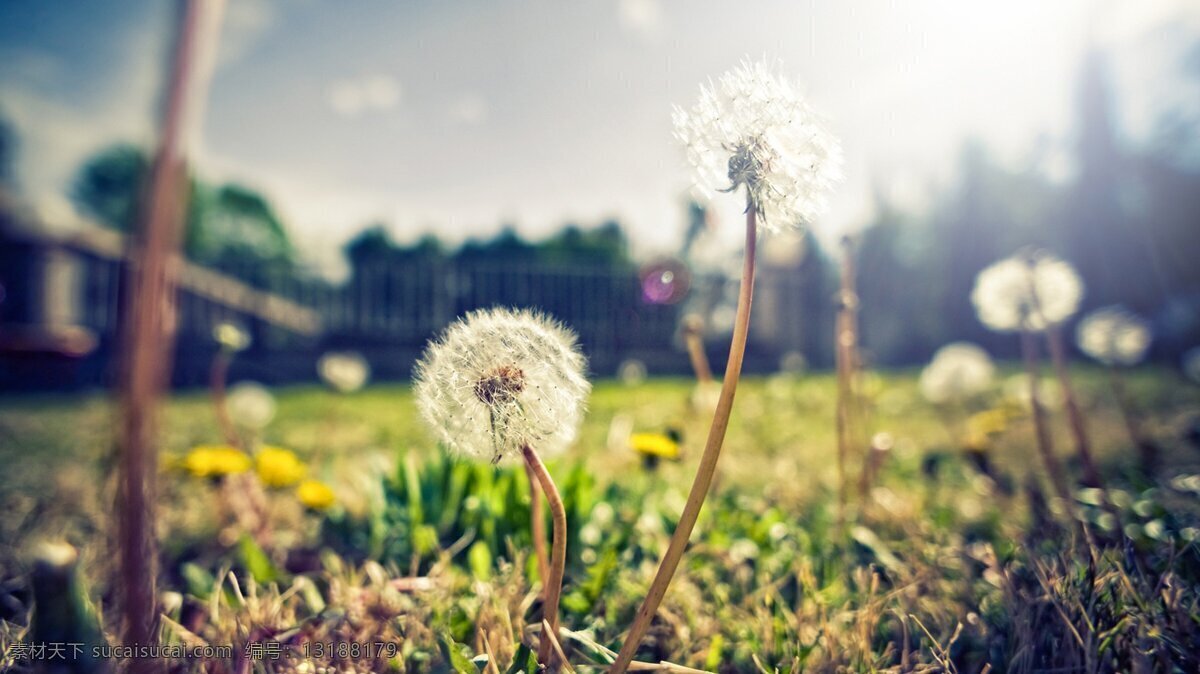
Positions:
{"x": 631, "y": 372}
{"x": 1113, "y": 336}
{"x": 231, "y": 336}
{"x": 1028, "y": 291}
{"x": 752, "y": 128}
{"x": 500, "y": 380}
{"x": 250, "y": 405}
{"x": 344, "y": 372}
{"x": 958, "y": 371}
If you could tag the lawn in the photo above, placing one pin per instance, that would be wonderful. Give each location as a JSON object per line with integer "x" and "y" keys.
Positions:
{"x": 935, "y": 565}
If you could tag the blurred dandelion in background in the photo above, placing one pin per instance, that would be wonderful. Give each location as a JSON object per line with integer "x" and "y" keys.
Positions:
{"x": 793, "y": 363}
{"x": 231, "y": 337}
{"x": 631, "y": 372}
{"x": 344, "y": 372}
{"x": 251, "y": 405}
{"x": 1113, "y": 336}
{"x": 957, "y": 372}
{"x": 1028, "y": 291}
{"x": 752, "y": 128}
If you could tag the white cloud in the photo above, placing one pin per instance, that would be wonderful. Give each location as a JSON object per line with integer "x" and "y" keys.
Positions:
{"x": 363, "y": 95}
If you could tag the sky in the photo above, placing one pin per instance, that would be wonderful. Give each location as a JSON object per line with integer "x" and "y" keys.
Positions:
{"x": 454, "y": 118}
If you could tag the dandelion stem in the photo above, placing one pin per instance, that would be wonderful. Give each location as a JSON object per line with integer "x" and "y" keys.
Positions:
{"x": 147, "y": 340}
{"x": 695, "y": 348}
{"x": 1083, "y": 444}
{"x": 558, "y": 556}
{"x": 708, "y": 461}
{"x": 845, "y": 351}
{"x": 538, "y": 524}
{"x": 1041, "y": 428}
{"x": 218, "y": 375}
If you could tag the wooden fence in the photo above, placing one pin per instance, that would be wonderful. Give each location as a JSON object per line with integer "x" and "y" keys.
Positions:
{"x": 60, "y": 311}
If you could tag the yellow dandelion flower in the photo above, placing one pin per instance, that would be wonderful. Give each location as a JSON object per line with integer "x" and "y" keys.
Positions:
{"x": 278, "y": 467}
{"x": 988, "y": 423}
{"x": 654, "y": 444}
{"x": 215, "y": 461}
{"x": 977, "y": 442}
{"x": 315, "y": 494}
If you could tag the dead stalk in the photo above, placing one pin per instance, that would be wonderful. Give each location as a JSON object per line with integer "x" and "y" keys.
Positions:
{"x": 147, "y": 341}
{"x": 218, "y": 375}
{"x": 1045, "y": 446}
{"x": 845, "y": 351}
{"x": 1083, "y": 443}
{"x": 695, "y": 348}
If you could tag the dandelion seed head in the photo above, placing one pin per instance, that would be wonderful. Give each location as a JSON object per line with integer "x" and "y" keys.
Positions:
{"x": 631, "y": 372}
{"x": 958, "y": 371}
{"x": 250, "y": 405}
{"x": 231, "y": 336}
{"x": 500, "y": 379}
{"x": 752, "y": 129}
{"x": 1113, "y": 336}
{"x": 1030, "y": 290}
{"x": 345, "y": 372}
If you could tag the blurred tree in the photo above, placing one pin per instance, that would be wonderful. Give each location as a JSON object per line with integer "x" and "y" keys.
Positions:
{"x": 372, "y": 245}
{"x": 818, "y": 285}
{"x": 108, "y": 184}
{"x": 1104, "y": 241}
{"x": 237, "y": 226}
{"x": 899, "y": 319}
{"x": 231, "y": 227}
{"x": 603, "y": 245}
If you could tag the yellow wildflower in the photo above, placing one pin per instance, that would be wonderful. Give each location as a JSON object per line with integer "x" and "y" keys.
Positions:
{"x": 315, "y": 494}
{"x": 215, "y": 461}
{"x": 654, "y": 444}
{"x": 278, "y": 467}
{"x": 977, "y": 442}
{"x": 987, "y": 423}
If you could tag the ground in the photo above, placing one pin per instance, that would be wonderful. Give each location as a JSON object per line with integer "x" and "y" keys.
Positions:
{"x": 954, "y": 557}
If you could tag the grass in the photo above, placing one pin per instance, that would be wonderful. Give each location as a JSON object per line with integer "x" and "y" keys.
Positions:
{"x": 941, "y": 568}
